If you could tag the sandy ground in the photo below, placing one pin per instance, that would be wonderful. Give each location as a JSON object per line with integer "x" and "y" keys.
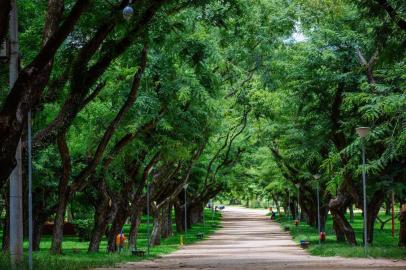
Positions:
{"x": 249, "y": 240}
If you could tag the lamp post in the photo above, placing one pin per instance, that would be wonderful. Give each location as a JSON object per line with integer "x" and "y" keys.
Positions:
{"x": 148, "y": 233}
{"x": 298, "y": 197}
{"x": 16, "y": 200}
{"x": 185, "y": 187}
{"x": 317, "y": 177}
{"x": 288, "y": 204}
{"x": 362, "y": 133}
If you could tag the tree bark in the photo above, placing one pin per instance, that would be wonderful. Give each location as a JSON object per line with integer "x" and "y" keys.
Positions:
{"x": 23, "y": 95}
{"x": 100, "y": 225}
{"x": 6, "y": 225}
{"x": 351, "y": 209}
{"x": 37, "y": 234}
{"x": 179, "y": 215}
{"x": 341, "y": 226}
{"x": 157, "y": 228}
{"x": 57, "y": 236}
{"x": 166, "y": 220}
{"x": 63, "y": 196}
{"x": 373, "y": 210}
{"x": 117, "y": 226}
{"x": 402, "y": 230}
{"x": 136, "y": 216}
{"x": 5, "y": 7}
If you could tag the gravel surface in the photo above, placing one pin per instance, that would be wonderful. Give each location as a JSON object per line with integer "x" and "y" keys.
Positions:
{"x": 249, "y": 240}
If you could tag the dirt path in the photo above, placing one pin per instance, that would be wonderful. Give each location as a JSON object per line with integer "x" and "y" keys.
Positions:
{"x": 249, "y": 240}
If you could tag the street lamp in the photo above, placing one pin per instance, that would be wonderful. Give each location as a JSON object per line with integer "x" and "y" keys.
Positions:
{"x": 317, "y": 177}
{"x": 148, "y": 233}
{"x": 288, "y": 204}
{"x": 298, "y": 197}
{"x": 185, "y": 187}
{"x": 362, "y": 133}
{"x": 128, "y": 12}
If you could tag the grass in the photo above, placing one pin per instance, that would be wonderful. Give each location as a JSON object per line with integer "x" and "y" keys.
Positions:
{"x": 75, "y": 254}
{"x": 384, "y": 245}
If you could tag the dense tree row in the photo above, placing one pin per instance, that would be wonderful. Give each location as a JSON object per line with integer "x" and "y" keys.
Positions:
{"x": 225, "y": 95}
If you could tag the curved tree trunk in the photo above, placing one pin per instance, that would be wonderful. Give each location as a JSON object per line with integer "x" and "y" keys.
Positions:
{"x": 99, "y": 227}
{"x": 342, "y": 227}
{"x": 116, "y": 227}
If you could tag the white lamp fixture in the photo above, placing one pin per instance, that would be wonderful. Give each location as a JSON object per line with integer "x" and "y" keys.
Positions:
{"x": 363, "y": 131}
{"x": 297, "y": 185}
{"x": 128, "y": 12}
{"x": 317, "y": 176}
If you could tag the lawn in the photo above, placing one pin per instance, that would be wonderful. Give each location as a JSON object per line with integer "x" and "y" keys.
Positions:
{"x": 75, "y": 254}
{"x": 384, "y": 245}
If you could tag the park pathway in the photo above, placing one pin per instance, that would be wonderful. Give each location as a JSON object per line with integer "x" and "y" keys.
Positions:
{"x": 249, "y": 240}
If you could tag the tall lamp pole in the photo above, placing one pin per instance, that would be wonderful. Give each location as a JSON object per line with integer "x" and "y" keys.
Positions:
{"x": 16, "y": 200}
{"x": 298, "y": 197}
{"x": 362, "y": 133}
{"x": 185, "y": 187}
{"x": 288, "y": 204}
{"x": 148, "y": 233}
{"x": 317, "y": 177}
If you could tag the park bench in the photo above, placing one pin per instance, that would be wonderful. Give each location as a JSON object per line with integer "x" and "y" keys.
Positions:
{"x": 200, "y": 235}
{"x": 304, "y": 244}
{"x": 138, "y": 252}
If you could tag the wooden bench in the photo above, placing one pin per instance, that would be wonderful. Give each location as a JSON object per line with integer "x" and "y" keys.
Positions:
{"x": 138, "y": 253}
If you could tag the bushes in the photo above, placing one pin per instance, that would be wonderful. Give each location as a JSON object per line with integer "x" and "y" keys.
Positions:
{"x": 84, "y": 228}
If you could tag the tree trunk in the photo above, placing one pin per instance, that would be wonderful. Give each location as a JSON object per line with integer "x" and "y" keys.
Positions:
{"x": 6, "y": 229}
{"x": 195, "y": 213}
{"x": 99, "y": 227}
{"x": 57, "y": 237}
{"x": 135, "y": 223}
{"x": 402, "y": 230}
{"x": 179, "y": 218}
{"x": 388, "y": 206}
{"x": 37, "y": 234}
{"x": 373, "y": 210}
{"x": 156, "y": 230}
{"x": 341, "y": 226}
{"x": 166, "y": 221}
{"x": 351, "y": 208}
{"x": 116, "y": 227}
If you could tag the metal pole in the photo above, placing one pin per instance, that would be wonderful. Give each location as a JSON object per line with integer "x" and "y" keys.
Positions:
{"x": 318, "y": 210}
{"x": 212, "y": 212}
{"x": 288, "y": 204}
{"x": 298, "y": 196}
{"x": 148, "y": 234}
{"x": 185, "y": 215}
{"x": 16, "y": 207}
{"x": 393, "y": 214}
{"x": 365, "y": 198}
{"x": 29, "y": 144}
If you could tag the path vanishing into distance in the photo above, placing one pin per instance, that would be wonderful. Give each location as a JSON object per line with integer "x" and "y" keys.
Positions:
{"x": 250, "y": 240}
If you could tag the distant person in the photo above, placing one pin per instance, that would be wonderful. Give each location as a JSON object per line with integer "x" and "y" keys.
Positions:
{"x": 120, "y": 241}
